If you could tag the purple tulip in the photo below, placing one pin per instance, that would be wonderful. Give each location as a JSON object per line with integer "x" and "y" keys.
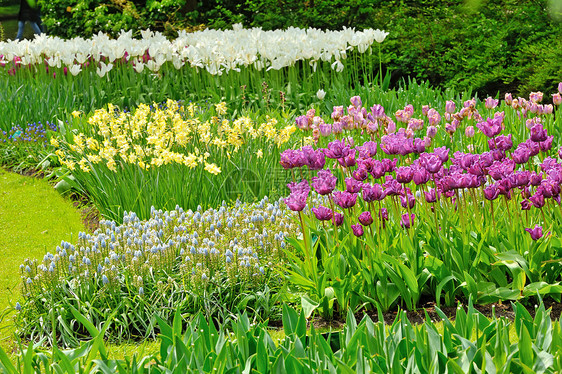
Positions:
{"x": 296, "y": 201}
{"x": 348, "y": 160}
{"x": 337, "y": 219}
{"x": 526, "y": 204}
{"x": 378, "y": 170}
{"x": 345, "y": 199}
{"x": 337, "y": 113}
{"x": 520, "y": 178}
{"x": 373, "y": 193}
{"x": 548, "y": 164}
{"x": 419, "y": 145}
{"x": 383, "y": 214}
{"x": 504, "y": 187}
{"x": 378, "y": 111}
{"x": 538, "y": 133}
{"x": 491, "y": 127}
{"x": 356, "y": 101}
{"x": 390, "y": 165}
{"x": 538, "y": 200}
{"x": 366, "y": 163}
{"x": 360, "y": 174}
{"x": 431, "y": 196}
{"x": 392, "y": 186}
{"x": 501, "y": 142}
{"x": 533, "y": 147}
{"x": 302, "y": 122}
{"x": 469, "y": 132}
{"x": 465, "y": 160}
{"x": 486, "y": 159}
{"x": 421, "y": 176}
{"x": 352, "y": 185}
{"x": 404, "y": 174}
{"x": 548, "y": 188}
{"x": 477, "y": 169}
{"x": 431, "y": 162}
{"x": 368, "y": 149}
{"x": 292, "y": 158}
{"x": 302, "y": 187}
{"x": 322, "y": 213}
{"x": 357, "y": 230}
{"x": 536, "y": 179}
{"x": 315, "y": 160}
{"x": 431, "y": 132}
{"x": 325, "y": 129}
{"x": 442, "y": 153}
{"x": 337, "y": 127}
{"x": 450, "y": 106}
{"x": 547, "y": 144}
{"x": 408, "y": 200}
{"x": 521, "y": 155}
{"x": 536, "y": 233}
{"x": 325, "y": 182}
{"x": 407, "y": 220}
{"x": 365, "y": 218}
{"x": 491, "y": 192}
{"x": 491, "y": 103}
{"x": 337, "y": 149}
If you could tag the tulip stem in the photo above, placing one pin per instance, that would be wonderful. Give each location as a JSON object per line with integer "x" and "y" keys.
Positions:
{"x": 492, "y": 212}
{"x": 306, "y": 249}
{"x": 543, "y": 216}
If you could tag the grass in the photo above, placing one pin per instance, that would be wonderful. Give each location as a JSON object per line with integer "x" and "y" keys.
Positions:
{"x": 34, "y": 219}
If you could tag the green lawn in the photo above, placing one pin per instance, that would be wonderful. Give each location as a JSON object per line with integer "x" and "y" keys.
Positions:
{"x": 34, "y": 219}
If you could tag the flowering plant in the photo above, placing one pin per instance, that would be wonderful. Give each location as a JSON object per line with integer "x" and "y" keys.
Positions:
{"x": 216, "y": 260}
{"x": 158, "y": 156}
{"x": 394, "y": 215}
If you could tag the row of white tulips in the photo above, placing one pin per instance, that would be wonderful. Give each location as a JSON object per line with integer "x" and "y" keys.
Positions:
{"x": 214, "y": 50}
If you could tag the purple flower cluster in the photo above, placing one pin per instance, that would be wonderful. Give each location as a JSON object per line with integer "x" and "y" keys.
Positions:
{"x": 502, "y": 170}
{"x": 376, "y": 123}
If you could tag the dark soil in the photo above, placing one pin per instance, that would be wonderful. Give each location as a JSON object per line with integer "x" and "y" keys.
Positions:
{"x": 418, "y": 316}
{"x": 90, "y": 215}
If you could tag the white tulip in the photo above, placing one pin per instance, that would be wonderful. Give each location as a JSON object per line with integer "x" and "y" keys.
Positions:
{"x": 75, "y": 69}
{"x": 380, "y": 35}
{"x": 321, "y": 94}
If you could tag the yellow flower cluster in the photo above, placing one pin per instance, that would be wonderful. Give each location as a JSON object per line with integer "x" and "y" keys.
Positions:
{"x": 162, "y": 135}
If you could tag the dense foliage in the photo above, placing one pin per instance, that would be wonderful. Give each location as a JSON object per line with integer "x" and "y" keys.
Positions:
{"x": 409, "y": 195}
{"x": 468, "y": 343}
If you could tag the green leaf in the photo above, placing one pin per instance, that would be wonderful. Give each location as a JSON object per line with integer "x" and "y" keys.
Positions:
{"x": 6, "y": 363}
{"x": 525, "y": 344}
{"x": 84, "y": 321}
{"x": 308, "y": 306}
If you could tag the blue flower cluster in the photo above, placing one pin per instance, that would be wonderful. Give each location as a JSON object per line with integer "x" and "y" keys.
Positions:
{"x": 32, "y": 133}
{"x": 240, "y": 243}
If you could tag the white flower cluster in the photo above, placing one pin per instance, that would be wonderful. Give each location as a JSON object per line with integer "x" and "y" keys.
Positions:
{"x": 213, "y": 50}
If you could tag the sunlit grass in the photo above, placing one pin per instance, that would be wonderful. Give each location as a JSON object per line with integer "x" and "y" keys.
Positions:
{"x": 33, "y": 219}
